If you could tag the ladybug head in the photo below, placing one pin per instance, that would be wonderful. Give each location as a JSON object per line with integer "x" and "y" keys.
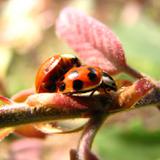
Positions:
{"x": 108, "y": 82}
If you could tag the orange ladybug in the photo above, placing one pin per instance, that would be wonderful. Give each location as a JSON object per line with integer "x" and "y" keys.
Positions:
{"x": 52, "y": 70}
{"x": 84, "y": 79}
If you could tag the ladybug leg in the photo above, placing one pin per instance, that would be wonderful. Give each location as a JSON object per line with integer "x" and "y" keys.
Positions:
{"x": 92, "y": 92}
{"x": 105, "y": 90}
{"x": 69, "y": 94}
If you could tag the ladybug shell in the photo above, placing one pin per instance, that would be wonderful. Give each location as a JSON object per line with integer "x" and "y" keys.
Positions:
{"x": 80, "y": 79}
{"x": 52, "y": 70}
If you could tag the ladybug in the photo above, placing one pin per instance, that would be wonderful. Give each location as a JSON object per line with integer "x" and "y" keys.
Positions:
{"x": 52, "y": 70}
{"x": 84, "y": 79}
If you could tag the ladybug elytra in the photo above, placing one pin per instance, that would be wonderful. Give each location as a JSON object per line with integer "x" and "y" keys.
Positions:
{"x": 84, "y": 79}
{"x": 51, "y": 71}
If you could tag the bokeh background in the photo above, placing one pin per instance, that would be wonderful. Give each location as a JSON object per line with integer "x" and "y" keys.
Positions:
{"x": 27, "y": 37}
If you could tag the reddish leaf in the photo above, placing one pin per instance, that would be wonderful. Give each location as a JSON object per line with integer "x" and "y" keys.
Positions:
{"x": 5, "y": 100}
{"x": 22, "y": 95}
{"x": 5, "y": 132}
{"x": 128, "y": 96}
{"x": 94, "y": 43}
{"x": 29, "y": 131}
{"x": 56, "y": 100}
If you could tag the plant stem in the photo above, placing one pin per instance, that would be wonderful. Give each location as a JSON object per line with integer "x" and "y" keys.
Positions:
{"x": 11, "y": 116}
{"x": 85, "y": 143}
{"x": 131, "y": 71}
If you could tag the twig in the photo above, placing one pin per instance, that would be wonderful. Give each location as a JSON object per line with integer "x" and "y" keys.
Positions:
{"x": 48, "y": 107}
{"x": 54, "y": 106}
{"x": 23, "y": 114}
{"x": 90, "y": 130}
{"x": 131, "y": 71}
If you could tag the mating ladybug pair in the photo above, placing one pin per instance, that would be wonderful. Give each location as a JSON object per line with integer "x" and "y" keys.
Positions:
{"x": 66, "y": 74}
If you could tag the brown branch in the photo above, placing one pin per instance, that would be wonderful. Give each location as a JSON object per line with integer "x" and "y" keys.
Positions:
{"x": 23, "y": 114}
{"x": 89, "y": 132}
{"x": 53, "y": 106}
{"x": 48, "y": 107}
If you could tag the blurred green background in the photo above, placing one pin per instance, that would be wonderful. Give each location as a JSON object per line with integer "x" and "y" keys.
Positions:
{"x": 27, "y": 37}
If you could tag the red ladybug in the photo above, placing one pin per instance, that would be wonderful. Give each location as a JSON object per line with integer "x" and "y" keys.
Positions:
{"x": 84, "y": 79}
{"x": 52, "y": 70}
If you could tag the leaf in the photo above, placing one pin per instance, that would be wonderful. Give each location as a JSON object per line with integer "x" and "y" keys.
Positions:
{"x": 5, "y": 100}
{"x": 128, "y": 96}
{"x": 62, "y": 126}
{"x": 5, "y": 132}
{"x": 22, "y": 95}
{"x": 29, "y": 130}
{"x": 94, "y": 43}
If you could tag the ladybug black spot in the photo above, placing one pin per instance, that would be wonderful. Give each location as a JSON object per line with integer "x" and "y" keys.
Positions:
{"x": 92, "y": 74}
{"x": 77, "y": 85}
{"x": 62, "y": 86}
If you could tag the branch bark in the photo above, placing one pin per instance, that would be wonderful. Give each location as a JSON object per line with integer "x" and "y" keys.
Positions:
{"x": 89, "y": 132}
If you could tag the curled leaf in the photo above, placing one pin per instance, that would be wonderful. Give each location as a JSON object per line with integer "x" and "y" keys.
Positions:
{"x": 131, "y": 94}
{"x": 22, "y": 95}
{"x": 94, "y": 43}
{"x": 29, "y": 130}
{"x": 62, "y": 126}
{"x": 5, "y": 132}
{"x": 5, "y": 101}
